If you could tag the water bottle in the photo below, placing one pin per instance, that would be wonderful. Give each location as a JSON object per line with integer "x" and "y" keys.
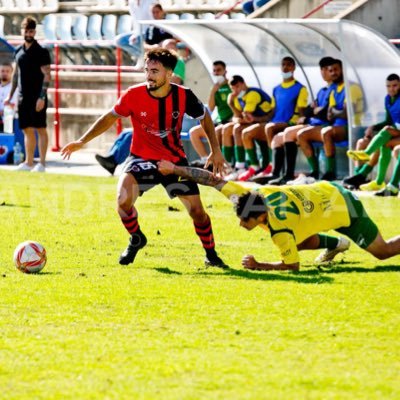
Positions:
{"x": 8, "y": 119}
{"x": 18, "y": 155}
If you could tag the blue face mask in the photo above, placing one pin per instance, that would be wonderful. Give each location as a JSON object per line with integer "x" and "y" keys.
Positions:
{"x": 241, "y": 93}
{"x": 287, "y": 75}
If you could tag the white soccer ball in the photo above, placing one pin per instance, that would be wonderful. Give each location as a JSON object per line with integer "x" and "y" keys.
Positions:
{"x": 30, "y": 257}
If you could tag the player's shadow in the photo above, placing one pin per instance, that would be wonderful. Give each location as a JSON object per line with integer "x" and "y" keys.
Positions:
{"x": 338, "y": 269}
{"x": 4, "y": 204}
{"x": 312, "y": 277}
{"x": 168, "y": 271}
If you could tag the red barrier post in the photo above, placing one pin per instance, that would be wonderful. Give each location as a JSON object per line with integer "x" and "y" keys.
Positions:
{"x": 56, "y": 146}
{"x": 118, "y": 59}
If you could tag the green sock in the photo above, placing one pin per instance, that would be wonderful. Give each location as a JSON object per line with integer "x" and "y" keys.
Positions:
{"x": 378, "y": 141}
{"x": 227, "y": 152}
{"x": 327, "y": 242}
{"x": 313, "y": 163}
{"x": 240, "y": 154}
{"x": 252, "y": 156}
{"x": 330, "y": 164}
{"x": 264, "y": 149}
{"x": 396, "y": 174}
{"x": 383, "y": 164}
{"x": 358, "y": 169}
{"x": 365, "y": 170}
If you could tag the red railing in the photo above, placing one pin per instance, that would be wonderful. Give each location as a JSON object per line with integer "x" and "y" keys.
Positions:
{"x": 313, "y": 11}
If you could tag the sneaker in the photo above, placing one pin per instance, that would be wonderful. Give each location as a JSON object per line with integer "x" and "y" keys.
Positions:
{"x": 388, "y": 191}
{"x": 212, "y": 260}
{"x": 38, "y": 168}
{"x": 328, "y": 255}
{"x": 245, "y": 176}
{"x": 281, "y": 181}
{"x": 265, "y": 172}
{"x": 198, "y": 163}
{"x": 233, "y": 176}
{"x": 107, "y": 163}
{"x": 136, "y": 242}
{"x": 372, "y": 186}
{"x": 329, "y": 176}
{"x": 358, "y": 155}
{"x": 354, "y": 182}
{"x": 302, "y": 180}
{"x": 24, "y": 167}
{"x": 264, "y": 180}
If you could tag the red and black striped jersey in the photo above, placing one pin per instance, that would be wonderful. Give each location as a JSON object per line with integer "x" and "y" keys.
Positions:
{"x": 157, "y": 122}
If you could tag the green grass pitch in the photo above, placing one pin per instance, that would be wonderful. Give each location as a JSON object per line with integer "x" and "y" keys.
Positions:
{"x": 166, "y": 327}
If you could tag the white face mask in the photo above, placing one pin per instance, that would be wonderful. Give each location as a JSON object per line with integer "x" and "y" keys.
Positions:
{"x": 218, "y": 79}
{"x": 241, "y": 93}
{"x": 286, "y": 75}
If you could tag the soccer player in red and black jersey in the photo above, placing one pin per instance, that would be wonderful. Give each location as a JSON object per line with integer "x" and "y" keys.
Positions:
{"x": 156, "y": 109}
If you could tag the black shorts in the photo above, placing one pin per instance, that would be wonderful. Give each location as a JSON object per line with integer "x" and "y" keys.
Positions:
{"x": 28, "y": 117}
{"x": 147, "y": 176}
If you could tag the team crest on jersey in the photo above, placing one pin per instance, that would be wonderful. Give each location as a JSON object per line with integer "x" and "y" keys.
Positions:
{"x": 175, "y": 114}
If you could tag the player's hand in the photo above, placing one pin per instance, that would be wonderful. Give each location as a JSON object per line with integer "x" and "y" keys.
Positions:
{"x": 369, "y": 132}
{"x": 68, "y": 149}
{"x": 249, "y": 262}
{"x": 166, "y": 167}
{"x": 220, "y": 166}
{"x": 39, "y": 105}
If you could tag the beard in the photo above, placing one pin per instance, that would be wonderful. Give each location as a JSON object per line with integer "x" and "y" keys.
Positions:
{"x": 29, "y": 39}
{"x": 156, "y": 86}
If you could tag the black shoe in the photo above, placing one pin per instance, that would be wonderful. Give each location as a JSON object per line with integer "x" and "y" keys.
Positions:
{"x": 281, "y": 181}
{"x": 263, "y": 180}
{"x": 354, "y": 182}
{"x": 212, "y": 260}
{"x": 386, "y": 192}
{"x": 107, "y": 163}
{"x": 329, "y": 176}
{"x": 136, "y": 242}
{"x": 198, "y": 163}
{"x": 314, "y": 175}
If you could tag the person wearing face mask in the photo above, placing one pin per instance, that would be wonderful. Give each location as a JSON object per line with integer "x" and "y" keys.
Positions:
{"x": 6, "y": 71}
{"x": 32, "y": 76}
{"x": 291, "y": 100}
{"x": 217, "y": 99}
{"x": 252, "y": 108}
{"x": 336, "y": 131}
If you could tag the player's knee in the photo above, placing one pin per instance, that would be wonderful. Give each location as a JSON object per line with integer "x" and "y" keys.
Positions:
{"x": 124, "y": 201}
{"x": 197, "y": 213}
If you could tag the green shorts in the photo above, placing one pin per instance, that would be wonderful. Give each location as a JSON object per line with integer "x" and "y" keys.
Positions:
{"x": 362, "y": 229}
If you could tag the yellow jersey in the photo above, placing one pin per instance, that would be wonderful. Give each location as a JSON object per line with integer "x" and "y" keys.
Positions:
{"x": 297, "y": 212}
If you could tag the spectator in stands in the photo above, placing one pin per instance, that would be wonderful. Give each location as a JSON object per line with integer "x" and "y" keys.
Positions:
{"x": 252, "y": 108}
{"x": 218, "y": 98}
{"x": 392, "y": 188}
{"x": 284, "y": 144}
{"x": 179, "y": 73}
{"x": 337, "y": 117}
{"x": 32, "y": 76}
{"x": 290, "y": 100}
{"x": 383, "y": 142}
{"x": 6, "y": 71}
{"x": 250, "y": 6}
{"x": 152, "y": 38}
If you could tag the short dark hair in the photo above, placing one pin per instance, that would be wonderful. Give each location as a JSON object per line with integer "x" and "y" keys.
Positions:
{"x": 337, "y": 61}
{"x": 28, "y": 23}
{"x": 165, "y": 57}
{"x": 235, "y": 80}
{"x": 393, "y": 77}
{"x": 326, "y": 62}
{"x": 6, "y": 64}
{"x": 250, "y": 205}
{"x": 157, "y": 5}
{"x": 289, "y": 59}
{"x": 219, "y": 62}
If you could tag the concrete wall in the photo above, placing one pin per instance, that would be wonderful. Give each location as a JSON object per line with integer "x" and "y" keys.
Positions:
{"x": 381, "y": 15}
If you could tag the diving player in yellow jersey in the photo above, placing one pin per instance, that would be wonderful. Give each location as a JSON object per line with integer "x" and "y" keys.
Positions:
{"x": 294, "y": 216}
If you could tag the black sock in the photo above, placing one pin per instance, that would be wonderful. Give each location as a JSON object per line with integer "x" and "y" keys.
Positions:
{"x": 291, "y": 154}
{"x": 279, "y": 159}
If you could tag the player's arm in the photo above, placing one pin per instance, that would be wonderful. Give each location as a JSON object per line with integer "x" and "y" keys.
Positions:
{"x": 14, "y": 84}
{"x": 249, "y": 262}
{"x": 41, "y": 101}
{"x": 101, "y": 125}
{"x": 333, "y": 112}
{"x": 198, "y": 175}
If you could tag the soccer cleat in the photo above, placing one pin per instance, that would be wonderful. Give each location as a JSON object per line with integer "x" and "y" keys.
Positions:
{"x": 281, "y": 181}
{"x": 264, "y": 173}
{"x": 372, "y": 186}
{"x": 38, "y": 168}
{"x": 233, "y": 176}
{"x": 23, "y": 167}
{"x": 328, "y": 255}
{"x": 302, "y": 180}
{"x": 245, "y": 176}
{"x": 136, "y": 242}
{"x": 358, "y": 155}
{"x": 354, "y": 182}
{"x": 212, "y": 260}
{"x": 388, "y": 191}
{"x": 328, "y": 176}
{"x": 107, "y": 163}
{"x": 264, "y": 180}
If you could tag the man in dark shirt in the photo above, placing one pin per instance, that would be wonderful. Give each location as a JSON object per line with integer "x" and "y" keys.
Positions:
{"x": 32, "y": 76}
{"x": 156, "y": 109}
